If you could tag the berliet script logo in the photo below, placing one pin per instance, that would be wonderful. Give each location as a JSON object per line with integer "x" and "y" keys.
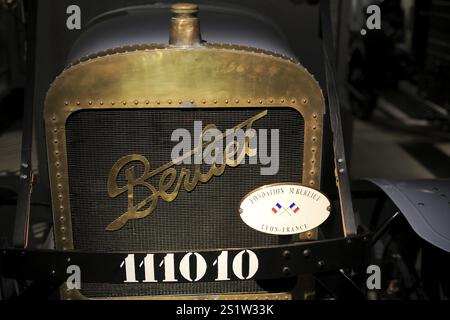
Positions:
{"x": 234, "y": 153}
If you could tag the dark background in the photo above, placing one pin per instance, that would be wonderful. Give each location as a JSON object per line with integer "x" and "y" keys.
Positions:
{"x": 393, "y": 84}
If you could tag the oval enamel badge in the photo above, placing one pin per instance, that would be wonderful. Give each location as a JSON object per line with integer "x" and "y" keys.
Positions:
{"x": 285, "y": 209}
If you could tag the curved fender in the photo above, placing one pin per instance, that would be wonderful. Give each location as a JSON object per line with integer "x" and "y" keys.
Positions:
{"x": 425, "y": 205}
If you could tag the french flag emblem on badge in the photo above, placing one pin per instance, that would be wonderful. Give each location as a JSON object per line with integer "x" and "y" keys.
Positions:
{"x": 294, "y": 208}
{"x": 277, "y": 208}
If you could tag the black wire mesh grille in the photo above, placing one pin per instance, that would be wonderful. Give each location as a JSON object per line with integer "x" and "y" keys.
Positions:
{"x": 206, "y": 218}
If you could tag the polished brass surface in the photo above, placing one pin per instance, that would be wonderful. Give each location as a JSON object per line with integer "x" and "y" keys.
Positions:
{"x": 169, "y": 175}
{"x": 184, "y": 8}
{"x": 184, "y": 25}
{"x": 76, "y": 295}
{"x": 157, "y": 76}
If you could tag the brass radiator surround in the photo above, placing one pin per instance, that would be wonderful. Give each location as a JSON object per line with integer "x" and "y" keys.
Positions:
{"x": 159, "y": 76}
{"x": 76, "y": 295}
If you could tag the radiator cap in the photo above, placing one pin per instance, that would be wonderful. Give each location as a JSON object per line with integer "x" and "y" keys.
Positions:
{"x": 184, "y": 25}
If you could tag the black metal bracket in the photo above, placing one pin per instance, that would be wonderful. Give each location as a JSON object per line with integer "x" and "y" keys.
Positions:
{"x": 341, "y": 170}
{"x": 20, "y": 237}
{"x": 277, "y": 262}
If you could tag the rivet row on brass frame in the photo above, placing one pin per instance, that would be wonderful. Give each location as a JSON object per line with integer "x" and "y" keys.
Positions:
{"x": 58, "y": 165}
{"x": 170, "y": 102}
